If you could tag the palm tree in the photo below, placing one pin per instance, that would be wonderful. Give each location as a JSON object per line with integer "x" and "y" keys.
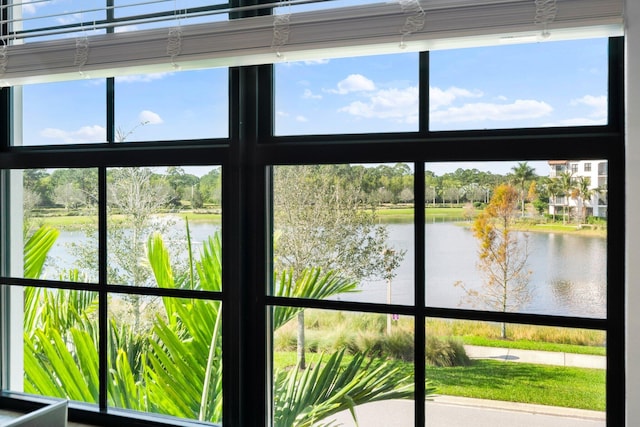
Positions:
{"x": 584, "y": 192}
{"x": 521, "y": 175}
{"x": 177, "y": 371}
{"x": 566, "y": 187}
{"x": 552, "y": 186}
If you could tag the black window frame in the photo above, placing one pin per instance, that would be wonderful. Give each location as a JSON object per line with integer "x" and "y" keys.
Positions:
{"x": 246, "y": 157}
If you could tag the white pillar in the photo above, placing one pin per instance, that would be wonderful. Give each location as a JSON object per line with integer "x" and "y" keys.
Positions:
{"x": 632, "y": 210}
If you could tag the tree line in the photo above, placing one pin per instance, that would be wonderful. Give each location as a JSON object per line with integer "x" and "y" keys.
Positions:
{"x": 385, "y": 184}
{"x": 73, "y": 189}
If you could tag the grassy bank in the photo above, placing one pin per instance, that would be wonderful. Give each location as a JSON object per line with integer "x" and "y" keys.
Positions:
{"x": 76, "y": 222}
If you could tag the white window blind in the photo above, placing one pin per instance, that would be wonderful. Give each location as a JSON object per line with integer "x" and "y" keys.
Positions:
{"x": 103, "y": 48}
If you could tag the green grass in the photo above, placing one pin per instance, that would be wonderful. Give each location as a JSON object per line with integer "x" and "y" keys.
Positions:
{"x": 71, "y": 222}
{"x": 504, "y": 381}
{"x": 389, "y": 214}
{"x": 524, "y": 383}
{"x": 536, "y": 345}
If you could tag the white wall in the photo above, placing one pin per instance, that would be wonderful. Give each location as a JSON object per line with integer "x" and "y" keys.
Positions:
{"x": 632, "y": 211}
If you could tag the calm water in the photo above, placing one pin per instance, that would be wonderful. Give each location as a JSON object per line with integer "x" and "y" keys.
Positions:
{"x": 568, "y": 272}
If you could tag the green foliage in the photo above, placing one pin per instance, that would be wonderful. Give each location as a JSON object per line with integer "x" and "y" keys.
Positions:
{"x": 36, "y": 249}
{"x": 446, "y": 352}
{"x": 304, "y": 398}
{"x": 311, "y": 283}
{"x": 177, "y": 370}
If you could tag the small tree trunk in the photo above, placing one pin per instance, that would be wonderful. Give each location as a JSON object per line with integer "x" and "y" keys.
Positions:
{"x": 302, "y": 364}
{"x": 503, "y": 330}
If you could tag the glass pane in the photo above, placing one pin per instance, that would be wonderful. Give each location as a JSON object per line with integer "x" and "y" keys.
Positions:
{"x": 542, "y": 376}
{"x": 350, "y": 95}
{"x": 59, "y": 223}
{"x": 60, "y": 346}
{"x": 44, "y": 19}
{"x": 63, "y": 113}
{"x": 173, "y": 9}
{"x": 528, "y": 237}
{"x": 344, "y": 232}
{"x": 172, "y": 106}
{"x": 372, "y": 354}
{"x": 525, "y": 85}
{"x": 164, "y": 219}
{"x": 167, "y": 358}
{"x": 322, "y": 5}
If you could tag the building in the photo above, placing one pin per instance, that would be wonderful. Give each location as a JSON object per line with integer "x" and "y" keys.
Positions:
{"x": 595, "y": 173}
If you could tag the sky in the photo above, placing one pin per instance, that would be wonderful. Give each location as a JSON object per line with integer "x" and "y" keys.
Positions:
{"x": 526, "y": 85}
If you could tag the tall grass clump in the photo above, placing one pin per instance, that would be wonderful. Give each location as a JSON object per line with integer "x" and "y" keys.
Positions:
{"x": 446, "y": 352}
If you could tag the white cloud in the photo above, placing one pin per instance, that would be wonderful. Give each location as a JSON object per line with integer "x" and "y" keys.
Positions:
{"x": 354, "y": 83}
{"x": 29, "y": 8}
{"x": 282, "y": 114}
{"x": 142, "y": 78}
{"x": 301, "y": 119}
{"x": 398, "y": 104}
{"x": 149, "y": 117}
{"x": 316, "y": 62}
{"x": 84, "y": 134}
{"x": 440, "y": 98}
{"x": 127, "y": 28}
{"x": 578, "y": 121}
{"x": 597, "y": 103}
{"x": 518, "y": 110}
{"x": 308, "y": 94}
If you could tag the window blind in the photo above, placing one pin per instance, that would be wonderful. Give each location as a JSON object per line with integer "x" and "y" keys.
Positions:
{"x": 306, "y": 35}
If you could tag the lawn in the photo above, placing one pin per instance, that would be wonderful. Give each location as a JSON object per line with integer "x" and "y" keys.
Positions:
{"x": 506, "y": 381}
{"x": 523, "y": 382}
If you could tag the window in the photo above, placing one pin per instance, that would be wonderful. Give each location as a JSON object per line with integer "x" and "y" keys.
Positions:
{"x": 587, "y": 167}
{"x": 492, "y": 98}
{"x": 174, "y": 243}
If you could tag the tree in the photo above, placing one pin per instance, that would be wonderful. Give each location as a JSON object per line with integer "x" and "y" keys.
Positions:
{"x": 210, "y": 186}
{"x": 584, "y": 193}
{"x": 322, "y": 221}
{"x": 406, "y": 195}
{"x": 183, "y": 354}
{"x": 523, "y": 173}
{"x": 136, "y": 197}
{"x": 502, "y": 256}
{"x": 566, "y": 188}
{"x": 68, "y": 195}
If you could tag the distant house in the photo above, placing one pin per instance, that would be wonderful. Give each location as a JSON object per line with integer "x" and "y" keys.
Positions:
{"x": 595, "y": 171}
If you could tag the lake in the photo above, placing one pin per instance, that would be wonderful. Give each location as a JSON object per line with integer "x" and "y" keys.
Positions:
{"x": 568, "y": 271}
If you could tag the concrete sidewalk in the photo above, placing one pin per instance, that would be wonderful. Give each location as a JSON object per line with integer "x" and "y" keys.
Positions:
{"x": 449, "y": 411}
{"x": 537, "y": 357}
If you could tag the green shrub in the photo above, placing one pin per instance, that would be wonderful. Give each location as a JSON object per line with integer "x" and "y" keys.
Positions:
{"x": 446, "y": 352}
{"x": 399, "y": 345}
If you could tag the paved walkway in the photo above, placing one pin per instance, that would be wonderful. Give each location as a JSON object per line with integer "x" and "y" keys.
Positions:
{"x": 451, "y": 411}
{"x": 537, "y": 357}
{"x": 448, "y": 411}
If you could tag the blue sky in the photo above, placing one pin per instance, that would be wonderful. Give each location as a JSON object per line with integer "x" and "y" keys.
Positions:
{"x": 532, "y": 85}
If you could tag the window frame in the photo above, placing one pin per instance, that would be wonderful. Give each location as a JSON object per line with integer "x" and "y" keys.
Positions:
{"x": 246, "y": 157}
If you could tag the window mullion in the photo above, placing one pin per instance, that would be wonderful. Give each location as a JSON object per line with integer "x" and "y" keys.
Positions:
{"x": 103, "y": 322}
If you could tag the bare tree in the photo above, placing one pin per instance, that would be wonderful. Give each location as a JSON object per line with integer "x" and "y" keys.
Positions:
{"x": 68, "y": 196}
{"x": 135, "y": 198}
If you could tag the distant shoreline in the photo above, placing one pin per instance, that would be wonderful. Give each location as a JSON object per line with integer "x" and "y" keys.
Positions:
{"x": 386, "y": 215}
